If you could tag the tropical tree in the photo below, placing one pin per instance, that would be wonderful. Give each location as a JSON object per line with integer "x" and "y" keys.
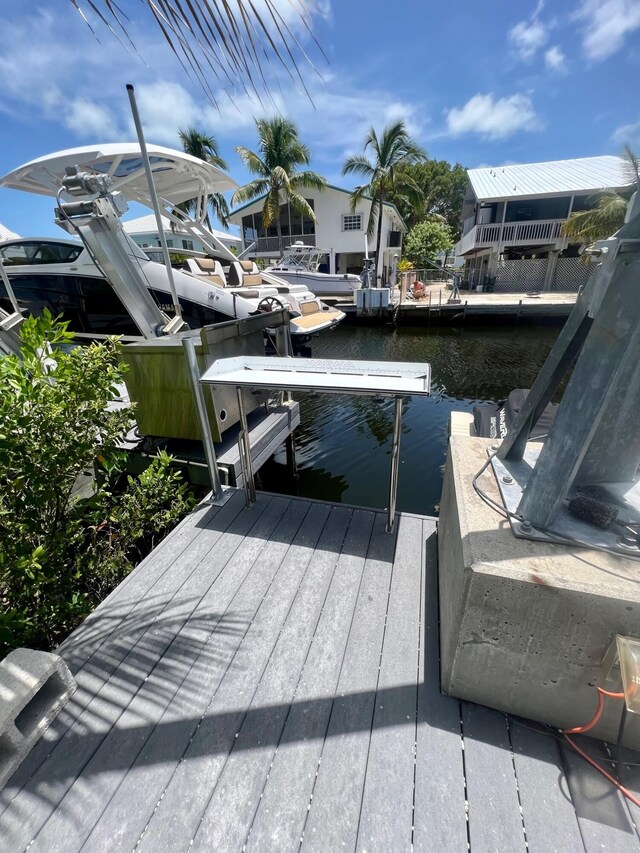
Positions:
{"x": 280, "y": 153}
{"x": 205, "y": 147}
{"x": 426, "y": 240}
{"x": 235, "y": 42}
{"x": 609, "y": 211}
{"x": 443, "y": 186}
{"x": 385, "y": 173}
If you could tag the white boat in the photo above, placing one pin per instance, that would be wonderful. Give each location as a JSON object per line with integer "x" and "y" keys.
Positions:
{"x": 300, "y": 264}
{"x": 103, "y": 285}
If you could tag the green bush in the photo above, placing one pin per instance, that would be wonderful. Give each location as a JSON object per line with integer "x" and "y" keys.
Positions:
{"x": 59, "y": 555}
{"x": 425, "y": 240}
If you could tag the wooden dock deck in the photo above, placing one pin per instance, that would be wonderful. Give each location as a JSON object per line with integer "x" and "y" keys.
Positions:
{"x": 267, "y": 679}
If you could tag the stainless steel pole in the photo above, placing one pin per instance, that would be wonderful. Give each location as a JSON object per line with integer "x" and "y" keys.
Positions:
{"x": 154, "y": 198}
{"x": 395, "y": 460}
{"x": 245, "y": 452}
{"x": 203, "y": 420}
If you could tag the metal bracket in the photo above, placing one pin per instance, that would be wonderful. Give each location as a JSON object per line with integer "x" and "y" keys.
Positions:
{"x": 512, "y": 477}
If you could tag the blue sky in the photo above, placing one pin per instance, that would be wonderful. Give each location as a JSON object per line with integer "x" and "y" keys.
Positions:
{"x": 479, "y": 84}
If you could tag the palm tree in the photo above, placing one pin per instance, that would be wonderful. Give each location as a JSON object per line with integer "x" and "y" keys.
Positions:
{"x": 385, "y": 174}
{"x": 609, "y": 213}
{"x": 280, "y": 153}
{"x": 205, "y": 147}
{"x": 236, "y": 42}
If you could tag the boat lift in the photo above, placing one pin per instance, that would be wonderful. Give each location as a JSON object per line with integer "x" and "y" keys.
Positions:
{"x": 582, "y": 486}
{"x": 389, "y": 379}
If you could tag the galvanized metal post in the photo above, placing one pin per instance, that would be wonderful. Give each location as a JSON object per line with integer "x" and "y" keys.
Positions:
{"x": 154, "y": 198}
{"x": 395, "y": 463}
{"x": 245, "y": 452}
{"x": 201, "y": 410}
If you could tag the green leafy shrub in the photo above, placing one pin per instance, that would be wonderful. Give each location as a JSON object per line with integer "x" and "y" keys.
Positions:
{"x": 425, "y": 240}
{"x": 60, "y": 555}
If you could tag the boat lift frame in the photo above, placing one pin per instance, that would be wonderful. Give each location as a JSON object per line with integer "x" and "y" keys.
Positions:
{"x": 388, "y": 379}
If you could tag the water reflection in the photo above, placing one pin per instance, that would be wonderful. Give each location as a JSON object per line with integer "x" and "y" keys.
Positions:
{"x": 344, "y": 443}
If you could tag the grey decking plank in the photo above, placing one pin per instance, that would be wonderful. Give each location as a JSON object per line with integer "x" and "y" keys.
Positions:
{"x": 117, "y": 624}
{"x": 282, "y": 807}
{"x": 495, "y": 822}
{"x": 334, "y": 812}
{"x": 549, "y": 818}
{"x": 386, "y": 818}
{"x": 178, "y": 812}
{"x": 602, "y": 814}
{"x": 124, "y": 819}
{"x": 108, "y": 698}
{"x": 109, "y": 765}
{"x": 250, "y": 753}
{"x": 440, "y": 820}
{"x": 628, "y": 770}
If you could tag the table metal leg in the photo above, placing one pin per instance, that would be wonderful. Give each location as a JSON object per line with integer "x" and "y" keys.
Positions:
{"x": 395, "y": 460}
{"x": 203, "y": 420}
{"x": 245, "y": 452}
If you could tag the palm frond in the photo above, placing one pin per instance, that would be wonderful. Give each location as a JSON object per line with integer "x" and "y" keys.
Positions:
{"x": 249, "y": 191}
{"x": 358, "y": 164}
{"x": 251, "y": 161}
{"x": 301, "y": 205}
{"x": 234, "y": 40}
{"x": 601, "y": 222}
{"x": 311, "y": 180}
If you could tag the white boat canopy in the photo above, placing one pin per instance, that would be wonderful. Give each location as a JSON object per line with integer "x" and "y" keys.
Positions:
{"x": 178, "y": 176}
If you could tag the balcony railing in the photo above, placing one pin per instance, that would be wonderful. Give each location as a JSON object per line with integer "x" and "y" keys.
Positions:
{"x": 511, "y": 234}
{"x": 279, "y": 244}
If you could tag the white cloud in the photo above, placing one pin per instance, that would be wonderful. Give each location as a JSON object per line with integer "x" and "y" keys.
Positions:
{"x": 493, "y": 118}
{"x": 627, "y": 134}
{"x": 86, "y": 118}
{"x": 528, "y": 37}
{"x": 555, "y": 59}
{"x": 606, "y": 25}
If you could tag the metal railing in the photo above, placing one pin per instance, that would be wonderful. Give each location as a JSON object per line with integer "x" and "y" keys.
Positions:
{"x": 511, "y": 233}
{"x": 279, "y": 244}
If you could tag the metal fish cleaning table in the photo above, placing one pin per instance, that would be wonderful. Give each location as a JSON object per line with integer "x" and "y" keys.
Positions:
{"x": 329, "y": 376}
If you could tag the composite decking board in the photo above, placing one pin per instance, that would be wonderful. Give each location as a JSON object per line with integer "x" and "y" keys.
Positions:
{"x": 282, "y": 806}
{"x": 386, "y": 816}
{"x": 548, "y": 814}
{"x": 334, "y": 813}
{"x": 98, "y": 781}
{"x": 129, "y": 810}
{"x": 603, "y": 817}
{"x": 223, "y": 822}
{"x": 495, "y": 821}
{"x": 440, "y": 807}
{"x": 628, "y": 772}
{"x": 177, "y": 814}
{"x": 127, "y": 619}
{"x": 111, "y": 694}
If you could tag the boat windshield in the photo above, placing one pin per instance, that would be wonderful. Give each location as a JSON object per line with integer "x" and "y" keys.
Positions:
{"x": 31, "y": 252}
{"x": 306, "y": 257}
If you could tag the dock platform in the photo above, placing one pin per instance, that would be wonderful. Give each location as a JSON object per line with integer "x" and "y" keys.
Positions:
{"x": 268, "y": 679}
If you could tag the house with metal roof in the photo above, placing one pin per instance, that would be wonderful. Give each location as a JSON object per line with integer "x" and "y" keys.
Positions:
{"x": 514, "y": 214}
{"x": 339, "y": 230}
{"x": 144, "y": 232}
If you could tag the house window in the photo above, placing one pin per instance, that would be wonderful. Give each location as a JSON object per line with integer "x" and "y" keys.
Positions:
{"x": 352, "y": 222}
{"x": 187, "y": 244}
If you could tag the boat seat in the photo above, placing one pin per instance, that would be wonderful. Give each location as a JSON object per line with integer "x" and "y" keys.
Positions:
{"x": 208, "y": 270}
{"x": 244, "y": 274}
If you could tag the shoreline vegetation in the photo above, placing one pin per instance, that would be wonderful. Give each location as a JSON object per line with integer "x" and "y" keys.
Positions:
{"x": 61, "y": 555}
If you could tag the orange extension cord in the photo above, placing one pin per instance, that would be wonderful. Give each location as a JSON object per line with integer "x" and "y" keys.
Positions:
{"x": 587, "y": 727}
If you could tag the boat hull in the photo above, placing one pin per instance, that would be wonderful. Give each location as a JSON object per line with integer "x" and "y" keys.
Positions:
{"x": 322, "y": 284}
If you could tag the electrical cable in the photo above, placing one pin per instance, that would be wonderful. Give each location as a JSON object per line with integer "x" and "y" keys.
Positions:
{"x": 587, "y": 727}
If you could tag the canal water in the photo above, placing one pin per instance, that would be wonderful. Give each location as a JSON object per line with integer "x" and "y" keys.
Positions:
{"x": 344, "y": 443}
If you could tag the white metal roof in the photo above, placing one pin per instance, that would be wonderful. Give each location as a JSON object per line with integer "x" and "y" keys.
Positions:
{"x": 584, "y": 174}
{"x": 147, "y": 225}
{"x": 178, "y": 176}
{"x": 5, "y": 234}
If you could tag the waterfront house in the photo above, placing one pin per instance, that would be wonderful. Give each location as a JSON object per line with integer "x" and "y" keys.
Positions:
{"x": 144, "y": 232}
{"x": 512, "y": 220}
{"x": 339, "y": 230}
